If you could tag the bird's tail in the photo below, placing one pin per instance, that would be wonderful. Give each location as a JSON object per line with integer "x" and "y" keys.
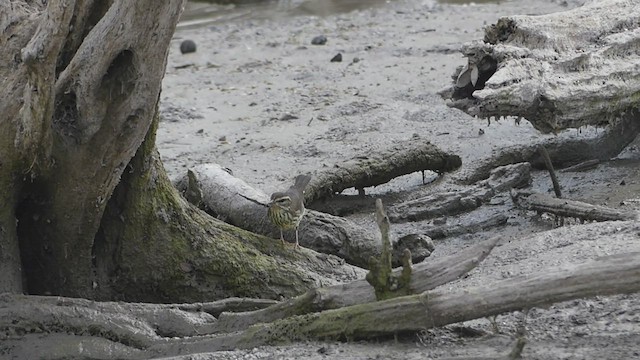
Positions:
{"x": 301, "y": 182}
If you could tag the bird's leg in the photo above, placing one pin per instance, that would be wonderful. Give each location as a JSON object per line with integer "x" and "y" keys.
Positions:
{"x": 297, "y": 244}
{"x": 282, "y": 237}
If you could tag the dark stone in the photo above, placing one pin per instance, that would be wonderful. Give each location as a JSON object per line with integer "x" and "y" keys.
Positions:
{"x": 319, "y": 40}
{"x": 420, "y": 246}
{"x": 337, "y": 58}
{"x": 187, "y": 46}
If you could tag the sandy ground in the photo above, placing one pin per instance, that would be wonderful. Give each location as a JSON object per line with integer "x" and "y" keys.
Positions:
{"x": 258, "y": 98}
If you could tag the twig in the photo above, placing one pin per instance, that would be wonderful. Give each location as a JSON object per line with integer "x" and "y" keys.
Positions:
{"x": 585, "y": 165}
{"x": 552, "y": 172}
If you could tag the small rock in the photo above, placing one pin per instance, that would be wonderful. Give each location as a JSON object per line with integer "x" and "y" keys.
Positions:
{"x": 337, "y": 58}
{"x": 420, "y": 246}
{"x": 187, "y": 46}
{"x": 319, "y": 40}
{"x": 287, "y": 117}
{"x": 200, "y": 131}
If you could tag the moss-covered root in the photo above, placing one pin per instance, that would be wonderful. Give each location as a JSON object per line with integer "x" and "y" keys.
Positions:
{"x": 380, "y": 274}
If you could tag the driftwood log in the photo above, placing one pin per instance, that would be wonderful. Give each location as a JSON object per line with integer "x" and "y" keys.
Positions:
{"x": 563, "y": 152}
{"x": 561, "y": 70}
{"x": 455, "y": 202}
{"x": 76, "y": 327}
{"x": 235, "y": 202}
{"x": 380, "y": 167}
{"x": 570, "y": 208}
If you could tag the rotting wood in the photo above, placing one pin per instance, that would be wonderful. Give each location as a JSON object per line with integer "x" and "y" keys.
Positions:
{"x": 425, "y": 276}
{"x": 552, "y": 70}
{"x": 616, "y": 274}
{"x": 131, "y": 337}
{"x": 455, "y": 202}
{"x": 380, "y": 276}
{"x": 569, "y": 208}
{"x": 475, "y": 224}
{"x": 235, "y": 202}
{"x": 606, "y": 144}
{"x": 380, "y": 167}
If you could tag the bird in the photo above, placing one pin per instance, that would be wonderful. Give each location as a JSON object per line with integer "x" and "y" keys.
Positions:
{"x": 286, "y": 208}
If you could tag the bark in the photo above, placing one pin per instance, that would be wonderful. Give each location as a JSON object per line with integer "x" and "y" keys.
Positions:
{"x": 86, "y": 208}
{"x": 235, "y": 202}
{"x": 133, "y": 332}
{"x": 558, "y": 71}
{"x": 379, "y": 168}
{"x": 455, "y": 202}
{"x": 570, "y": 208}
{"x": 87, "y": 106}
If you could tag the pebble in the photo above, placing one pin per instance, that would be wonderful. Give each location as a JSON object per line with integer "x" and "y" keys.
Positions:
{"x": 319, "y": 40}
{"x": 187, "y": 46}
{"x": 337, "y": 58}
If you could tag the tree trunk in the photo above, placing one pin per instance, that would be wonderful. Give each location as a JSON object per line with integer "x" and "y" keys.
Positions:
{"x": 79, "y": 214}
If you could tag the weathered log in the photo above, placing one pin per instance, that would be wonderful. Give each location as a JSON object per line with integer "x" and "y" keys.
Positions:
{"x": 570, "y": 208}
{"x": 378, "y": 168}
{"x": 563, "y": 152}
{"x": 237, "y": 203}
{"x": 425, "y": 276}
{"x": 558, "y": 70}
{"x": 616, "y": 274}
{"x": 456, "y": 202}
{"x": 127, "y": 336}
{"x": 477, "y": 223}
{"x": 552, "y": 69}
{"x": 136, "y": 331}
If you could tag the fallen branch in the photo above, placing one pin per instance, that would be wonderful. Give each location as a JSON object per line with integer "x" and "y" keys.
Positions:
{"x": 380, "y": 167}
{"x": 425, "y": 276}
{"x": 610, "y": 275}
{"x": 569, "y": 208}
{"x": 459, "y": 227}
{"x": 563, "y": 150}
{"x": 235, "y": 202}
{"x": 456, "y": 202}
{"x": 121, "y": 333}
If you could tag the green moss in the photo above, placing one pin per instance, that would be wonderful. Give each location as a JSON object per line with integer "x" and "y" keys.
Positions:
{"x": 168, "y": 250}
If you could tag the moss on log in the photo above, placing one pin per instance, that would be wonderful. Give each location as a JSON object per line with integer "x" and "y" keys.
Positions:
{"x": 155, "y": 246}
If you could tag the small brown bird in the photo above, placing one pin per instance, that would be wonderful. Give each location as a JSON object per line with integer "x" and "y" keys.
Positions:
{"x": 287, "y": 208}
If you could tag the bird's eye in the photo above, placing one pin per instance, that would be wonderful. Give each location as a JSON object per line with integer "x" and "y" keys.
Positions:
{"x": 282, "y": 201}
